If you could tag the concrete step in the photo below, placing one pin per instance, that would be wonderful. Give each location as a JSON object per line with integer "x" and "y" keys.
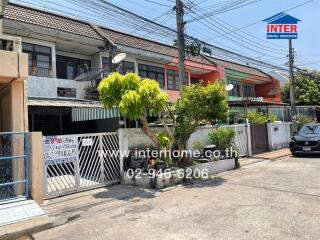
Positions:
{"x": 21, "y": 218}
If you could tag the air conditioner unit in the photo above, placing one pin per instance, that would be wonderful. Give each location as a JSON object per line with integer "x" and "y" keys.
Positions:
{"x": 10, "y": 43}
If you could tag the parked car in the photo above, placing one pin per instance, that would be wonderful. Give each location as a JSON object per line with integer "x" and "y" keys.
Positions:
{"x": 307, "y": 140}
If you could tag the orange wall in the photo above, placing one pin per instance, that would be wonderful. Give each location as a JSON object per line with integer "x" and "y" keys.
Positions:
{"x": 210, "y": 77}
{"x": 264, "y": 90}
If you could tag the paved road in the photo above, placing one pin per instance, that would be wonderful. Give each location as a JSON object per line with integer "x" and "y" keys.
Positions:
{"x": 277, "y": 200}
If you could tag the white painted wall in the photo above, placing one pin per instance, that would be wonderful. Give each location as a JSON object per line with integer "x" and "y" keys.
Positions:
{"x": 131, "y": 138}
{"x": 278, "y": 135}
{"x": 201, "y": 135}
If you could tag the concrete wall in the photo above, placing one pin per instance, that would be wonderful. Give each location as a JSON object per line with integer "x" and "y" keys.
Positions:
{"x": 47, "y": 87}
{"x": 200, "y": 135}
{"x": 131, "y": 138}
{"x": 278, "y": 135}
{"x": 135, "y": 138}
{"x": 13, "y": 65}
{"x": 36, "y": 167}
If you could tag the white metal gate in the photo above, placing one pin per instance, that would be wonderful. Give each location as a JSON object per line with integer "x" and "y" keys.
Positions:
{"x": 241, "y": 138}
{"x": 78, "y": 162}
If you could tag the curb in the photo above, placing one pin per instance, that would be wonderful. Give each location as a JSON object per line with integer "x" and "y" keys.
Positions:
{"x": 25, "y": 228}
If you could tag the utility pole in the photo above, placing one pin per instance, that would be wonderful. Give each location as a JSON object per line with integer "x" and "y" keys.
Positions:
{"x": 292, "y": 86}
{"x": 180, "y": 42}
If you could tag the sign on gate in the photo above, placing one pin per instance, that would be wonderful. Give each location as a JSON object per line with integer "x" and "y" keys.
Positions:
{"x": 60, "y": 149}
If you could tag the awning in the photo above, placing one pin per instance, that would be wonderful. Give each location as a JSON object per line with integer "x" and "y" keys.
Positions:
{"x": 82, "y": 110}
{"x": 86, "y": 114}
{"x": 255, "y": 103}
{"x": 45, "y": 102}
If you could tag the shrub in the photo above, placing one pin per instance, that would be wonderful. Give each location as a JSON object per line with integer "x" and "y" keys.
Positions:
{"x": 303, "y": 119}
{"x": 197, "y": 145}
{"x": 222, "y": 137}
{"x": 260, "y": 118}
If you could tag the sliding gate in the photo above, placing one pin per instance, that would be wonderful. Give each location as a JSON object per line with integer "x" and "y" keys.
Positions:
{"x": 78, "y": 162}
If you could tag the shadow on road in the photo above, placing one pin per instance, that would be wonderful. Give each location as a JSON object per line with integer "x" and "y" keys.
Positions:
{"x": 125, "y": 192}
{"x": 216, "y": 181}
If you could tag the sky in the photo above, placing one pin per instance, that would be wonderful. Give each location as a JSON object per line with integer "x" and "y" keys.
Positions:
{"x": 307, "y": 46}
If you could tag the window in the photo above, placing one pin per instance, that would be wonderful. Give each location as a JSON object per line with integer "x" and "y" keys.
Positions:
{"x": 310, "y": 129}
{"x": 236, "y": 91}
{"x": 39, "y": 59}
{"x": 173, "y": 80}
{"x": 125, "y": 66}
{"x": 66, "y": 92}
{"x": 70, "y": 68}
{"x": 152, "y": 72}
{"x": 248, "y": 90}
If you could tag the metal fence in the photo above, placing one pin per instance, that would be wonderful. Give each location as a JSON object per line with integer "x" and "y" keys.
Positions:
{"x": 14, "y": 153}
{"x": 78, "y": 162}
{"x": 241, "y": 138}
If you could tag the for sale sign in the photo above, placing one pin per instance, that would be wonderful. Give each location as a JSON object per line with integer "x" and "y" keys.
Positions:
{"x": 60, "y": 149}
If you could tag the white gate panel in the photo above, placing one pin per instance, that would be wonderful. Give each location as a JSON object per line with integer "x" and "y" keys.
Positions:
{"x": 78, "y": 162}
{"x": 241, "y": 138}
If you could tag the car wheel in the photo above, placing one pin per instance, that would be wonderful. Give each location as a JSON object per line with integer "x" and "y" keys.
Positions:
{"x": 294, "y": 154}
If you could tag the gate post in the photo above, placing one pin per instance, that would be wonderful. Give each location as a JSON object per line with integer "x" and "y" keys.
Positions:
{"x": 36, "y": 173}
{"x": 249, "y": 139}
{"x": 123, "y": 147}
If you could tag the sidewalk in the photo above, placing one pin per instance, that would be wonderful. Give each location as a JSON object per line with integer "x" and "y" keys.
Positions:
{"x": 274, "y": 154}
{"x": 263, "y": 157}
{"x": 21, "y": 217}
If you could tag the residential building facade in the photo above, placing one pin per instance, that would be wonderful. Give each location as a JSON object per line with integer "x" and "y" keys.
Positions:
{"x": 60, "y": 49}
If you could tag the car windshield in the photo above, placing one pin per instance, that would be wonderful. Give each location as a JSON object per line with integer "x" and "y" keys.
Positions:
{"x": 310, "y": 129}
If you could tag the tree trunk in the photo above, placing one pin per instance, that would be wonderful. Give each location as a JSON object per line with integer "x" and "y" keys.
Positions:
{"x": 146, "y": 129}
{"x": 181, "y": 148}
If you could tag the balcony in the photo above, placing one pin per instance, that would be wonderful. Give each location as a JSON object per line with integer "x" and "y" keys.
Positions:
{"x": 46, "y": 87}
{"x": 14, "y": 64}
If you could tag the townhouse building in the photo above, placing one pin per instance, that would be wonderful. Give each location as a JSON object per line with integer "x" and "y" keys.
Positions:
{"x": 61, "y": 48}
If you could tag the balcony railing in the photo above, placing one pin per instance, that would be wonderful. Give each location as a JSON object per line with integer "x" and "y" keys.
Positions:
{"x": 46, "y": 87}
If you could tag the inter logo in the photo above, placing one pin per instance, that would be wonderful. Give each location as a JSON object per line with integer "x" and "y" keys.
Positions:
{"x": 282, "y": 26}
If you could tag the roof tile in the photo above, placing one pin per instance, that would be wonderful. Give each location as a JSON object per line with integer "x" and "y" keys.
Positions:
{"x": 61, "y": 23}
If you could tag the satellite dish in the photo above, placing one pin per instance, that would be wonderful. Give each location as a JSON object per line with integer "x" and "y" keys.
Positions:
{"x": 229, "y": 87}
{"x": 118, "y": 58}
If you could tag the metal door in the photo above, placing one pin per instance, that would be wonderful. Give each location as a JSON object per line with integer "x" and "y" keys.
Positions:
{"x": 259, "y": 138}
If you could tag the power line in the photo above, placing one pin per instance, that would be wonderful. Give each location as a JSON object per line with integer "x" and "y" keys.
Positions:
{"x": 227, "y": 7}
{"x": 219, "y": 27}
{"x": 127, "y": 17}
{"x": 254, "y": 23}
{"x": 161, "y": 4}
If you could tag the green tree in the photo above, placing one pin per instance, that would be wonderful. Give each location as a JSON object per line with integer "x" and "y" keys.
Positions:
{"x": 133, "y": 96}
{"x": 197, "y": 104}
{"x": 307, "y": 88}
